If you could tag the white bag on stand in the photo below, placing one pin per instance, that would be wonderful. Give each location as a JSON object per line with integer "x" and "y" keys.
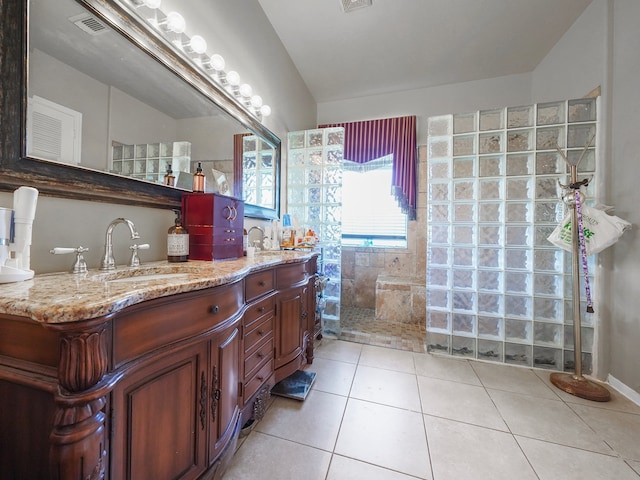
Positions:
{"x": 601, "y": 230}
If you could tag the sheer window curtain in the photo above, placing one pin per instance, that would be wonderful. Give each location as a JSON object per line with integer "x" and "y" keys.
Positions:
{"x": 370, "y": 140}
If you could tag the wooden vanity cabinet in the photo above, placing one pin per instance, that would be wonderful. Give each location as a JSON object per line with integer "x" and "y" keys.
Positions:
{"x": 175, "y": 411}
{"x": 258, "y": 325}
{"x": 156, "y": 408}
{"x": 158, "y": 389}
{"x": 295, "y": 303}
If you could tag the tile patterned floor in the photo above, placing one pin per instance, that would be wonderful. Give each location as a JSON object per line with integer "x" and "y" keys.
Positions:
{"x": 379, "y": 413}
{"x": 360, "y": 325}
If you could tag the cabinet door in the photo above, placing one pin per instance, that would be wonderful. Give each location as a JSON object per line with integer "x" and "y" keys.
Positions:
{"x": 160, "y": 418}
{"x": 289, "y": 330}
{"x": 225, "y": 368}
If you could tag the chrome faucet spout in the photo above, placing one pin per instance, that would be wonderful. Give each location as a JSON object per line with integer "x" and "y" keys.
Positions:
{"x": 260, "y": 239}
{"x": 108, "y": 262}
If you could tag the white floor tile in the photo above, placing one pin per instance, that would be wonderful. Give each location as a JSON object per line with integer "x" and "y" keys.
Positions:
{"x": 461, "y": 451}
{"x": 396, "y": 389}
{"x": 377, "y": 413}
{"x": 544, "y": 419}
{"x": 386, "y": 436}
{"x": 459, "y": 401}
{"x": 314, "y": 422}
{"x": 333, "y": 349}
{"x": 634, "y": 465}
{"x": 512, "y": 379}
{"x": 262, "y": 457}
{"x": 618, "y": 401}
{"x": 343, "y": 468}
{"x": 333, "y": 376}
{"x": 388, "y": 358}
{"x": 445, "y": 368}
{"x": 552, "y": 462}
{"x": 619, "y": 429}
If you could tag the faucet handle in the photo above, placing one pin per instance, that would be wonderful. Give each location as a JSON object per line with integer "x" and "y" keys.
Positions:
{"x": 134, "y": 261}
{"x": 79, "y": 266}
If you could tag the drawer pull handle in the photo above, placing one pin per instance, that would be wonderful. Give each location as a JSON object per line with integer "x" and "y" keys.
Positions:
{"x": 214, "y": 309}
{"x": 260, "y": 332}
{"x": 262, "y": 283}
{"x": 261, "y": 309}
{"x": 260, "y": 378}
{"x": 260, "y": 355}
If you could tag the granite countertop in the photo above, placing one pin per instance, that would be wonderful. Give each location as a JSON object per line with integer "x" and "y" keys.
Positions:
{"x": 68, "y": 297}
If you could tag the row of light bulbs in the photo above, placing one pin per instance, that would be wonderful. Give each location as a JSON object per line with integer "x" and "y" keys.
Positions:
{"x": 197, "y": 45}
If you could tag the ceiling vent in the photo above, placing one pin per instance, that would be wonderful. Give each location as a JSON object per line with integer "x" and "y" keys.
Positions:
{"x": 351, "y": 5}
{"x": 89, "y": 24}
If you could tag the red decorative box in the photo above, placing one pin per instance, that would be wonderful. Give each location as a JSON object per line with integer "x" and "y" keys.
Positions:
{"x": 215, "y": 224}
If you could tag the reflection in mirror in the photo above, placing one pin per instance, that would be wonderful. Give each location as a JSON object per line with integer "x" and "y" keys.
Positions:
{"x": 135, "y": 117}
{"x": 127, "y": 113}
{"x": 258, "y": 180}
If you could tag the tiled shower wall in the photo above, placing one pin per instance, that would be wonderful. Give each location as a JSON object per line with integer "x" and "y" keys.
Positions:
{"x": 496, "y": 288}
{"x": 361, "y": 266}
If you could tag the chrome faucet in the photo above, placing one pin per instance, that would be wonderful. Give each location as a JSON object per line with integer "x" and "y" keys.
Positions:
{"x": 108, "y": 262}
{"x": 261, "y": 240}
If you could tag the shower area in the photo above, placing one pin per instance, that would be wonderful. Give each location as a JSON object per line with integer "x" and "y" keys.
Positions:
{"x": 355, "y": 275}
{"x": 478, "y": 279}
{"x": 497, "y": 289}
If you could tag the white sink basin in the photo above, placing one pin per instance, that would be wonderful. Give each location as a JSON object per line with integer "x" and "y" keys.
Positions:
{"x": 148, "y": 278}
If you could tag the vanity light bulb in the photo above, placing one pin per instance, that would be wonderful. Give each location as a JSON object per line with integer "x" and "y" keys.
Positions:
{"x": 265, "y": 110}
{"x": 198, "y": 44}
{"x": 246, "y": 90}
{"x": 217, "y": 62}
{"x": 233, "y": 78}
{"x": 256, "y": 101}
{"x": 175, "y": 22}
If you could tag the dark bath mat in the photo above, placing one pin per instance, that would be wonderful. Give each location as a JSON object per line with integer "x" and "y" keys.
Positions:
{"x": 296, "y": 385}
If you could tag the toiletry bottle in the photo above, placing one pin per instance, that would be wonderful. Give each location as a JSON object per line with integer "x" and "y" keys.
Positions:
{"x": 169, "y": 178}
{"x": 177, "y": 242}
{"x": 198, "y": 179}
{"x": 287, "y": 232}
{"x": 245, "y": 241}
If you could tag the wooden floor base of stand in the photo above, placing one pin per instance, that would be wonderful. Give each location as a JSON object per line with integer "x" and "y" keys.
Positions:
{"x": 580, "y": 387}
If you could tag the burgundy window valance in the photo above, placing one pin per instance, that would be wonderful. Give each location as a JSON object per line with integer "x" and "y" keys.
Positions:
{"x": 371, "y": 139}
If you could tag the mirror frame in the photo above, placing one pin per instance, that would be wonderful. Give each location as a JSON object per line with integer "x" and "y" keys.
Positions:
{"x": 72, "y": 182}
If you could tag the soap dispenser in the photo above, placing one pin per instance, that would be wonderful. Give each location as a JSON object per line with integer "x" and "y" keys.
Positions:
{"x": 177, "y": 241}
{"x": 198, "y": 179}
{"x": 169, "y": 178}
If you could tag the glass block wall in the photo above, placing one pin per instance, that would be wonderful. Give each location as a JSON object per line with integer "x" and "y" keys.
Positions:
{"x": 497, "y": 289}
{"x": 257, "y": 171}
{"x": 314, "y": 193}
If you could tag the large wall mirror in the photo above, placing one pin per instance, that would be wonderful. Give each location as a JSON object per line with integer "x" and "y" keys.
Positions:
{"x": 99, "y": 104}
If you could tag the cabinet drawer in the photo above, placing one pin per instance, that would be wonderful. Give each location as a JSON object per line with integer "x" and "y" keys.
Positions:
{"x": 210, "y": 251}
{"x": 209, "y": 234}
{"x": 260, "y": 378}
{"x": 254, "y": 336}
{"x": 154, "y": 324}
{"x": 290, "y": 275}
{"x": 257, "y": 310}
{"x": 252, "y": 362}
{"x": 207, "y": 209}
{"x": 259, "y": 283}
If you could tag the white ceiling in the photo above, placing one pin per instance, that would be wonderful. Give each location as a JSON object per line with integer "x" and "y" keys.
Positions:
{"x": 397, "y": 45}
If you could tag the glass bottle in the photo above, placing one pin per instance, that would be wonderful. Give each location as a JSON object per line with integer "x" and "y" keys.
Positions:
{"x": 169, "y": 178}
{"x": 245, "y": 241}
{"x": 198, "y": 179}
{"x": 177, "y": 242}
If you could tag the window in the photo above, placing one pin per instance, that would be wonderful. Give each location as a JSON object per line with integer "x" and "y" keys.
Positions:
{"x": 370, "y": 212}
